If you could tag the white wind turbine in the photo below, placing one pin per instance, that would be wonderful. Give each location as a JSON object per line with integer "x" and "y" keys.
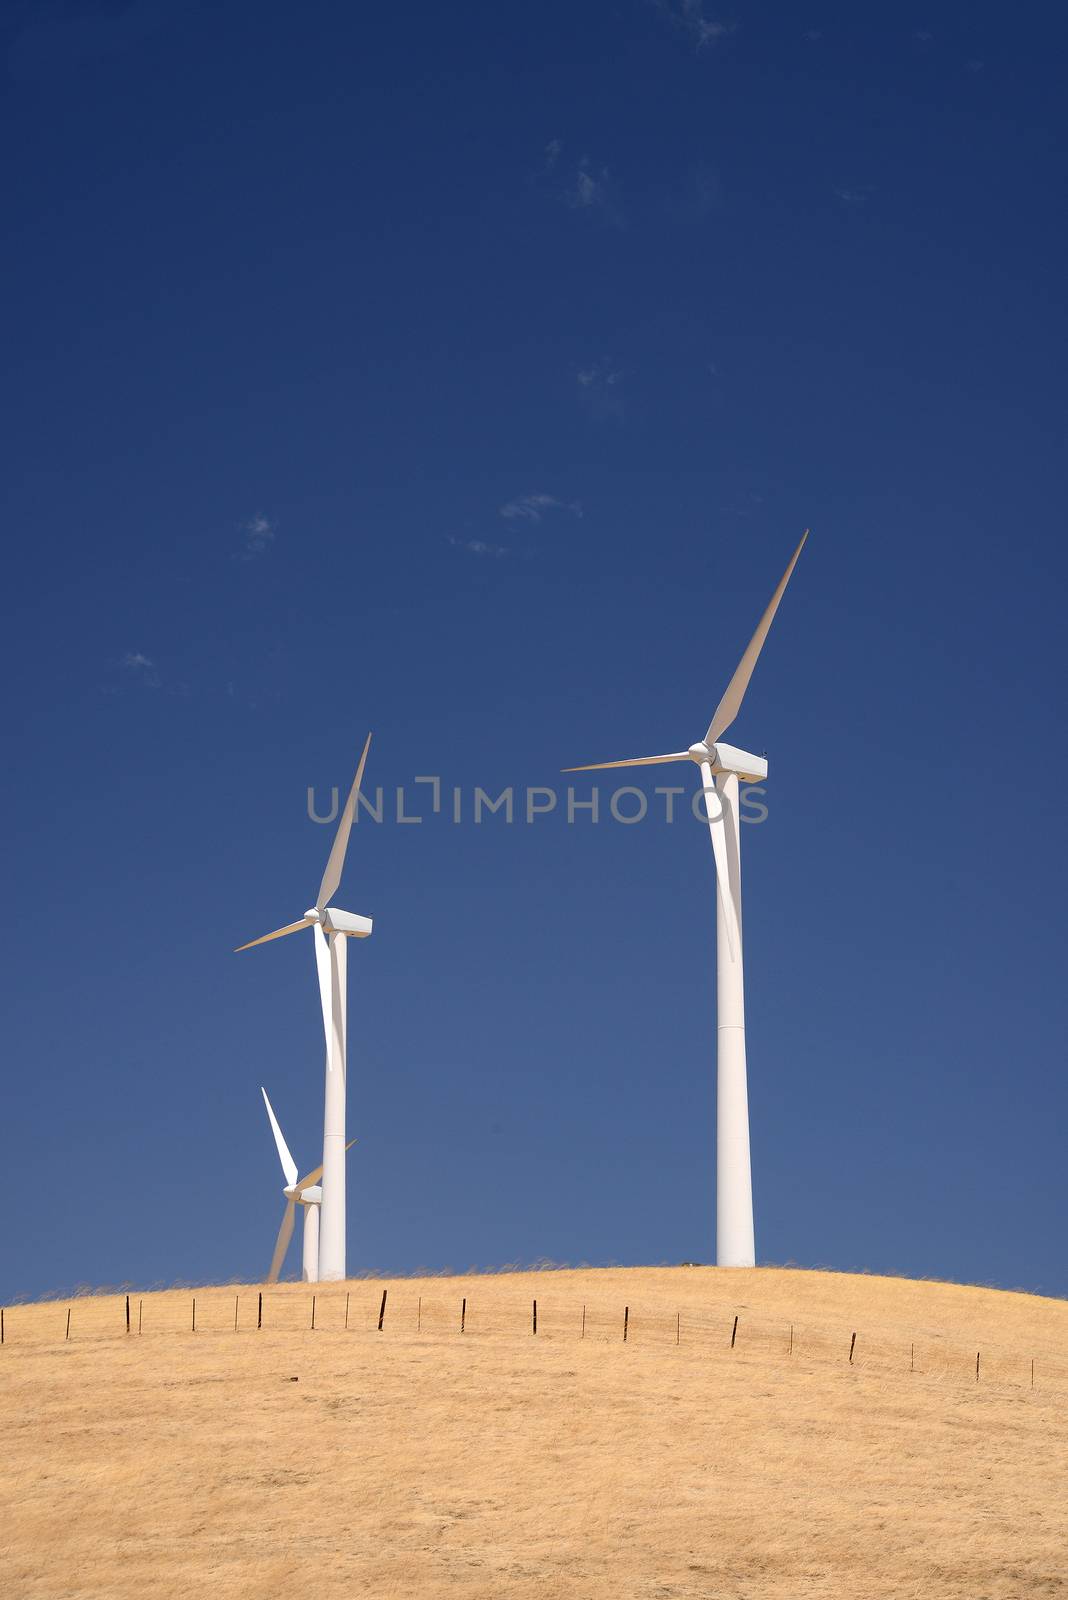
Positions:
{"x": 298, "y": 1192}
{"x": 331, "y": 928}
{"x": 722, "y": 765}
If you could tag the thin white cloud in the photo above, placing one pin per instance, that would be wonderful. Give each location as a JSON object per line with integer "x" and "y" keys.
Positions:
{"x": 857, "y": 196}
{"x": 602, "y": 391}
{"x": 553, "y": 152}
{"x": 592, "y": 188}
{"x": 689, "y": 18}
{"x": 478, "y": 547}
{"x": 602, "y": 372}
{"x": 258, "y": 537}
{"x": 141, "y": 667}
{"x": 532, "y": 507}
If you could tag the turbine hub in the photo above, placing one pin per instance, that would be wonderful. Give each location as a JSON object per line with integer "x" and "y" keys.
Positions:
{"x": 313, "y": 915}
{"x": 701, "y": 752}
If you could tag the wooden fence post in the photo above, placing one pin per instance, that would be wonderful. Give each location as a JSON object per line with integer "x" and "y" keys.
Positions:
{"x": 194, "y": 1313}
{"x": 347, "y": 1309}
{"x": 382, "y": 1309}
{"x": 259, "y": 1311}
{"x": 67, "y": 1334}
{"x": 534, "y": 1328}
{"x": 127, "y": 1313}
{"x": 626, "y": 1319}
{"x": 977, "y": 1366}
{"x": 852, "y": 1347}
{"x": 313, "y": 1314}
{"x": 1, "y": 1324}
{"x": 463, "y": 1313}
{"x": 734, "y": 1332}
{"x": 236, "y": 1299}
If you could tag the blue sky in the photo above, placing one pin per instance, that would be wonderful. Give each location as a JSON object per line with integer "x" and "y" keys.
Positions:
{"x": 468, "y": 373}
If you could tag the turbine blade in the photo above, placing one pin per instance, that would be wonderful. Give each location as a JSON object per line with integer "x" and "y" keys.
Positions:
{"x": 731, "y": 703}
{"x": 632, "y": 761}
{"x": 316, "y": 1173}
{"x": 279, "y": 933}
{"x": 332, "y": 875}
{"x": 289, "y": 1166}
{"x": 717, "y": 828}
{"x": 281, "y": 1244}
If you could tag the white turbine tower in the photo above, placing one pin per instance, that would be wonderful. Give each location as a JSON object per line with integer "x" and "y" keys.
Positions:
{"x": 722, "y": 765}
{"x": 298, "y": 1192}
{"x": 331, "y": 928}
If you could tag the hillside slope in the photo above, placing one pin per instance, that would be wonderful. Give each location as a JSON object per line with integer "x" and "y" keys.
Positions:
{"x": 422, "y": 1461}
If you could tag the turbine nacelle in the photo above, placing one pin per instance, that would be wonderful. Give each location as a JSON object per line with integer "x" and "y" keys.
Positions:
{"x": 727, "y": 758}
{"x": 347, "y": 922}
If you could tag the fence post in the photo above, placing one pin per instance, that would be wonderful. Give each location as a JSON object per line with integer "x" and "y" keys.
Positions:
{"x": 626, "y": 1319}
{"x": 313, "y": 1314}
{"x": 140, "y": 1308}
{"x": 1, "y": 1324}
{"x": 852, "y": 1347}
{"x": 463, "y": 1313}
{"x": 236, "y": 1299}
{"x": 67, "y": 1334}
{"x": 259, "y": 1311}
{"x": 734, "y": 1332}
{"x": 194, "y": 1313}
{"x": 582, "y": 1331}
{"x": 977, "y": 1366}
{"x": 382, "y": 1309}
{"x": 347, "y": 1309}
{"x": 534, "y": 1328}
{"x": 127, "y": 1313}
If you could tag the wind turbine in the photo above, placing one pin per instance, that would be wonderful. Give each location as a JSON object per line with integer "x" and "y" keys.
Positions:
{"x": 721, "y": 766}
{"x": 330, "y": 929}
{"x": 298, "y": 1192}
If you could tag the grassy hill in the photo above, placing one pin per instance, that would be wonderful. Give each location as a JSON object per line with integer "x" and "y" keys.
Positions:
{"x": 424, "y": 1462}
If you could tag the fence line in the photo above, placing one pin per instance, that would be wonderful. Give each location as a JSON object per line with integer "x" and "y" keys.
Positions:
{"x": 710, "y": 1328}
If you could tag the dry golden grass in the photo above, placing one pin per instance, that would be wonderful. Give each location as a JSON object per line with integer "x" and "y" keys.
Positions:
{"x": 423, "y": 1463}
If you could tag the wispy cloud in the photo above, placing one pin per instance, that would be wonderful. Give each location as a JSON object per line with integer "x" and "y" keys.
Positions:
{"x": 478, "y": 547}
{"x": 258, "y": 537}
{"x": 856, "y": 196}
{"x": 532, "y": 507}
{"x": 601, "y": 389}
{"x": 599, "y": 373}
{"x": 593, "y": 188}
{"x": 688, "y": 16}
{"x": 141, "y": 668}
{"x": 553, "y": 151}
